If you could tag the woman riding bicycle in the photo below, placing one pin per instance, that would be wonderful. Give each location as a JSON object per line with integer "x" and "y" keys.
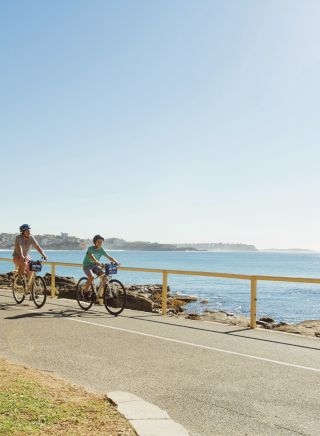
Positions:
{"x": 91, "y": 262}
{"x": 22, "y": 247}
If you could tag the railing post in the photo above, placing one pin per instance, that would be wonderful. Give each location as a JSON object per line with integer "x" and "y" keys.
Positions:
{"x": 164, "y": 292}
{"x": 253, "y": 308}
{"x": 53, "y": 280}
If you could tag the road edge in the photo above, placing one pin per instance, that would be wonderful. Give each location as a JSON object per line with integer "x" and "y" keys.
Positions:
{"x": 147, "y": 419}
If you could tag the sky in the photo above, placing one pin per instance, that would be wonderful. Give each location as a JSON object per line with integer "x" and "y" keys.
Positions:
{"x": 168, "y": 121}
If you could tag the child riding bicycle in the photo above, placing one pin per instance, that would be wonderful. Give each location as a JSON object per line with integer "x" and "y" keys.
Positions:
{"x": 92, "y": 264}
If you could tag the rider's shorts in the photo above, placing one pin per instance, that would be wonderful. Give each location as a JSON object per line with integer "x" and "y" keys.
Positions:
{"x": 89, "y": 269}
{"x": 19, "y": 261}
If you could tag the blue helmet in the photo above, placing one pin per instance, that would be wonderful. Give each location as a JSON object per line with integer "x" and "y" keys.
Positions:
{"x": 24, "y": 227}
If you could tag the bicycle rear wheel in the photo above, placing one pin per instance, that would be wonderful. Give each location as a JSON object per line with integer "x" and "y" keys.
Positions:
{"x": 115, "y": 297}
{"x": 39, "y": 291}
{"x": 85, "y": 299}
{"x": 19, "y": 288}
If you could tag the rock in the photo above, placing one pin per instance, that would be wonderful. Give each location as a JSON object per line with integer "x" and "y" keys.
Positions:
{"x": 185, "y": 298}
{"x": 60, "y": 280}
{"x": 194, "y": 316}
{"x": 66, "y": 286}
{"x": 266, "y": 319}
{"x": 6, "y": 279}
{"x": 204, "y": 302}
{"x": 264, "y": 324}
{"x": 226, "y": 318}
{"x": 139, "y": 302}
{"x": 310, "y": 324}
{"x": 308, "y": 328}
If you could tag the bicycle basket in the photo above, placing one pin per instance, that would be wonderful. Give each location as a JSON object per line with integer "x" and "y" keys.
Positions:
{"x": 35, "y": 266}
{"x": 111, "y": 269}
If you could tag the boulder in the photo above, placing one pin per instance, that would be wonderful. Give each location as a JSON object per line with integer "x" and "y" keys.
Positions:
{"x": 139, "y": 302}
{"x": 308, "y": 328}
{"x": 6, "y": 279}
{"x": 225, "y": 318}
{"x": 185, "y": 298}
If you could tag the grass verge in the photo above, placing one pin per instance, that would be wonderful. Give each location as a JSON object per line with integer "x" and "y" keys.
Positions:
{"x": 35, "y": 403}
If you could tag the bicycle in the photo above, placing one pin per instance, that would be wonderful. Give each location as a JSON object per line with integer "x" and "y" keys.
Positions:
{"x": 35, "y": 286}
{"x": 113, "y": 292}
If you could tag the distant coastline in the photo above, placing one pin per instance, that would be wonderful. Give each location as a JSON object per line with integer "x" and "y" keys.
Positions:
{"x": 66, "y": 242}
{"x": 287, "y": 250}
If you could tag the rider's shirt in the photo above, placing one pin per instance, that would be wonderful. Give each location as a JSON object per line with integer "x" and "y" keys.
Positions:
{"x": 97, "y": 254}
{"x": 25, "y": 244}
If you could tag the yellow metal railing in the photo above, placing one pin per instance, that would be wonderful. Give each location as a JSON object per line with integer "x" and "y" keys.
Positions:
{"x": 165, "y": 272}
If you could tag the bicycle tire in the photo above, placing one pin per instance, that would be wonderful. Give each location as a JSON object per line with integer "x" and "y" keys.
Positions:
{"x": 85, "y": 302}
{"x": 39, "y": 298}
{"x": 19, "y": 290}
{"x": 114, "y": 297}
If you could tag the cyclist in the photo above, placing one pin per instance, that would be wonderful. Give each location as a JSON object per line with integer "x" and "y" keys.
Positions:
{"x": 91, "y": 262}
{"x": 22, "y": 247}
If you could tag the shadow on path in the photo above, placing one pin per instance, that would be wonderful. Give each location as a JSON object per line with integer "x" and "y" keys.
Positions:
{"x": 67, "y": 312}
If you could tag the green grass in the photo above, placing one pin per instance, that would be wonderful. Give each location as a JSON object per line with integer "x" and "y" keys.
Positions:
{"x": 33, "y": 403}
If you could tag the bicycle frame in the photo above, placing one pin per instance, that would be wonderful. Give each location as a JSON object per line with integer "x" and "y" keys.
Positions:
{"x": 29, "y": 279}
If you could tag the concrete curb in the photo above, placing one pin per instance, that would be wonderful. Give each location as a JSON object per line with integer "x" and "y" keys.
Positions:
{"x": 146, "y": 418}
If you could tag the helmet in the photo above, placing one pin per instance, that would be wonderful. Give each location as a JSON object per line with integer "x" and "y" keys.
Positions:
{"x": 24, "y": 227}
{"x": 97, "y": 237}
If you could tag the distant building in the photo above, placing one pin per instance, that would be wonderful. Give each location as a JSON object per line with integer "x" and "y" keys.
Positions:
{"x": 64, "y": 235}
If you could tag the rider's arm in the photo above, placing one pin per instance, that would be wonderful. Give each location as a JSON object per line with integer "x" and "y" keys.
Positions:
{"x": 39, "y": 249}
{"x": 92, "y": 257}
{"x": 110, "y": 258}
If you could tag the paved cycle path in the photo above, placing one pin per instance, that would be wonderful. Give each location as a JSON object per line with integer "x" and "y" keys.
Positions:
{"x": 211, "y": 378}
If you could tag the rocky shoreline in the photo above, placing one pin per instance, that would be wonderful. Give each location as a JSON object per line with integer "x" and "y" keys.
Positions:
{"x": 307, "y": 328}
{"x": 148, "y": 298}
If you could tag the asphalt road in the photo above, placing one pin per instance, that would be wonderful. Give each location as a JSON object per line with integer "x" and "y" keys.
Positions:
{"x": 211, "y": 378}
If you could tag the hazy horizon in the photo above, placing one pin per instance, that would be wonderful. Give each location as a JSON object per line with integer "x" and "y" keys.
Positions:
{"x": 175, "y": 243}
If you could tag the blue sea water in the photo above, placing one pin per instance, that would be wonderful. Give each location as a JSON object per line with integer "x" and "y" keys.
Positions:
{"x": 289, "y": 302}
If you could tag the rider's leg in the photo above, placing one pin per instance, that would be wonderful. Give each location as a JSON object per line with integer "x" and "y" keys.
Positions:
{"x": 22, "y": 265}
{"x": 89, "y": 282}
{"x": 88, "y": 272}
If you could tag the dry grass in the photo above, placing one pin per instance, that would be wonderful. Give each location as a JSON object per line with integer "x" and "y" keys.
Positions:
{"x": 35, "y": 403}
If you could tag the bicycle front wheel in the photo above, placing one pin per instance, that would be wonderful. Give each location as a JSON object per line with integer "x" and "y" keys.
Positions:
{"x": 85, "y": 296}
{"x": 39, "y": 292}
{"x": 19, "y": 289}
{"x": 115, "y": 297}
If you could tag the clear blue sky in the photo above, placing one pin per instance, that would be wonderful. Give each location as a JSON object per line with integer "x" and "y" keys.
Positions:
{"x": 169, "y": 121}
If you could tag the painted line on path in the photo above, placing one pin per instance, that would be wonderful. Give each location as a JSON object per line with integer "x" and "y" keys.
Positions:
{"x": 205, "y": 347}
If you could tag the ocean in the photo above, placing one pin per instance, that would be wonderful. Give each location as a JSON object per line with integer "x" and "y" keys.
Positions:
{"x": 287, "y": 302}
